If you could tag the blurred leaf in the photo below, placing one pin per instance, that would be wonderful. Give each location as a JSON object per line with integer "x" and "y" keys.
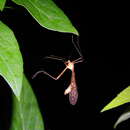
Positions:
{"x": 11, "y": 64}
{"x": 48, "y": 15}
{"x": 26, "y": 114}
{"x": 123, "y": 117}
{"x": 122, "y": 98}
{"x": 2, "y": 4}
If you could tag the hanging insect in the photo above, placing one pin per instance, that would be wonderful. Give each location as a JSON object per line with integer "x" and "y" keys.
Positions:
{"x": 72, "y": 88}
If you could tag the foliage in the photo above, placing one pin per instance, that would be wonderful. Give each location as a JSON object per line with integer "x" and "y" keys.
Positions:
{"x": 122, "y": 98}
{"x": 11, "y": 64}
{"x": 2, "y": 4}
{"x": 48, "y": 15}
{"x": 26, "y": 106}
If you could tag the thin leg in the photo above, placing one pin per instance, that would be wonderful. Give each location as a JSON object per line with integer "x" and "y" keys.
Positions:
{"x": 55, "y": 57}
{"x": 77, "y": 59}
{"x": 44, "y": 72}
{"x": 80, "y": 59}
{"x": 77, "y": 47}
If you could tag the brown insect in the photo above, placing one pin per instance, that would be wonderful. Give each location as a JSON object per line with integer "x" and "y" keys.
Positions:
{"x": 72, "y": 88}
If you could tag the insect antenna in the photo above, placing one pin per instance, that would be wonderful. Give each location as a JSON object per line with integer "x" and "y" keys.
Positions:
{"x": 77, "y": 47}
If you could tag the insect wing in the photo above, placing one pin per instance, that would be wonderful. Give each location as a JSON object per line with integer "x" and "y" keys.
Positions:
{"x": 73, "y": 96}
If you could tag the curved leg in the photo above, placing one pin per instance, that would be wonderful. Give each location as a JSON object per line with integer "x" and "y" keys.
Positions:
{"x": 44, "y": 72}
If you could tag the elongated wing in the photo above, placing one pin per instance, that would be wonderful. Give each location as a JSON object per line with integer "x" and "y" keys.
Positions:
{"x": 73, "y": 96}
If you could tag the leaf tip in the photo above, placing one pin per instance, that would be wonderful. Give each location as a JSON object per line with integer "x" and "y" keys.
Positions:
{"x": 18, "y": 97}
{"x": 115, "y": 126}
{"x": 105, "y": 109}
{"x": 102, "y": 111}
{"x": 76, "y": 32}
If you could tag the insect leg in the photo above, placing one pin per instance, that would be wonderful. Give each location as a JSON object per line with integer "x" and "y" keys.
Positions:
{"x": 44, "y": 72}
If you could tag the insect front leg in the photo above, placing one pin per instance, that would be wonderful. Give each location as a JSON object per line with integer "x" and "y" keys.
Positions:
{"x": 44, "y": 72}
{"x": 68, "y": 90}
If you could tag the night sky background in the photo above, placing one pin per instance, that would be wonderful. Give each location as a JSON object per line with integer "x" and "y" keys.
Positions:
{"x": 103, "y": 74}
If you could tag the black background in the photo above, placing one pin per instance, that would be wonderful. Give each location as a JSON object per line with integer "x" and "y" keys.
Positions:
{"x": 104, "y": 73}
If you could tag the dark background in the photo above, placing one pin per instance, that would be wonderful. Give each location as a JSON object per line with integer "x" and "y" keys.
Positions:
{"x": 104, "y": 73}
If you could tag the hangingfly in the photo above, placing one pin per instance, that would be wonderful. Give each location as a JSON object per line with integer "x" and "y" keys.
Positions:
{"x": 72, "y": 88}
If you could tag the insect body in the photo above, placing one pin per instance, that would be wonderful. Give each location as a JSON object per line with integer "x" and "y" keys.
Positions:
{"x": 72, "y": 88}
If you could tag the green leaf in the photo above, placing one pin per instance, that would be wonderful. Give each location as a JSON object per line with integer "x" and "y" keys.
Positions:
{"x": 122, "y": 98}
{"x": 11, "y": 64}
{"x": 26, "y": 114}
{"x": 48, "y": 15}
{"x": 2, "y": 4}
